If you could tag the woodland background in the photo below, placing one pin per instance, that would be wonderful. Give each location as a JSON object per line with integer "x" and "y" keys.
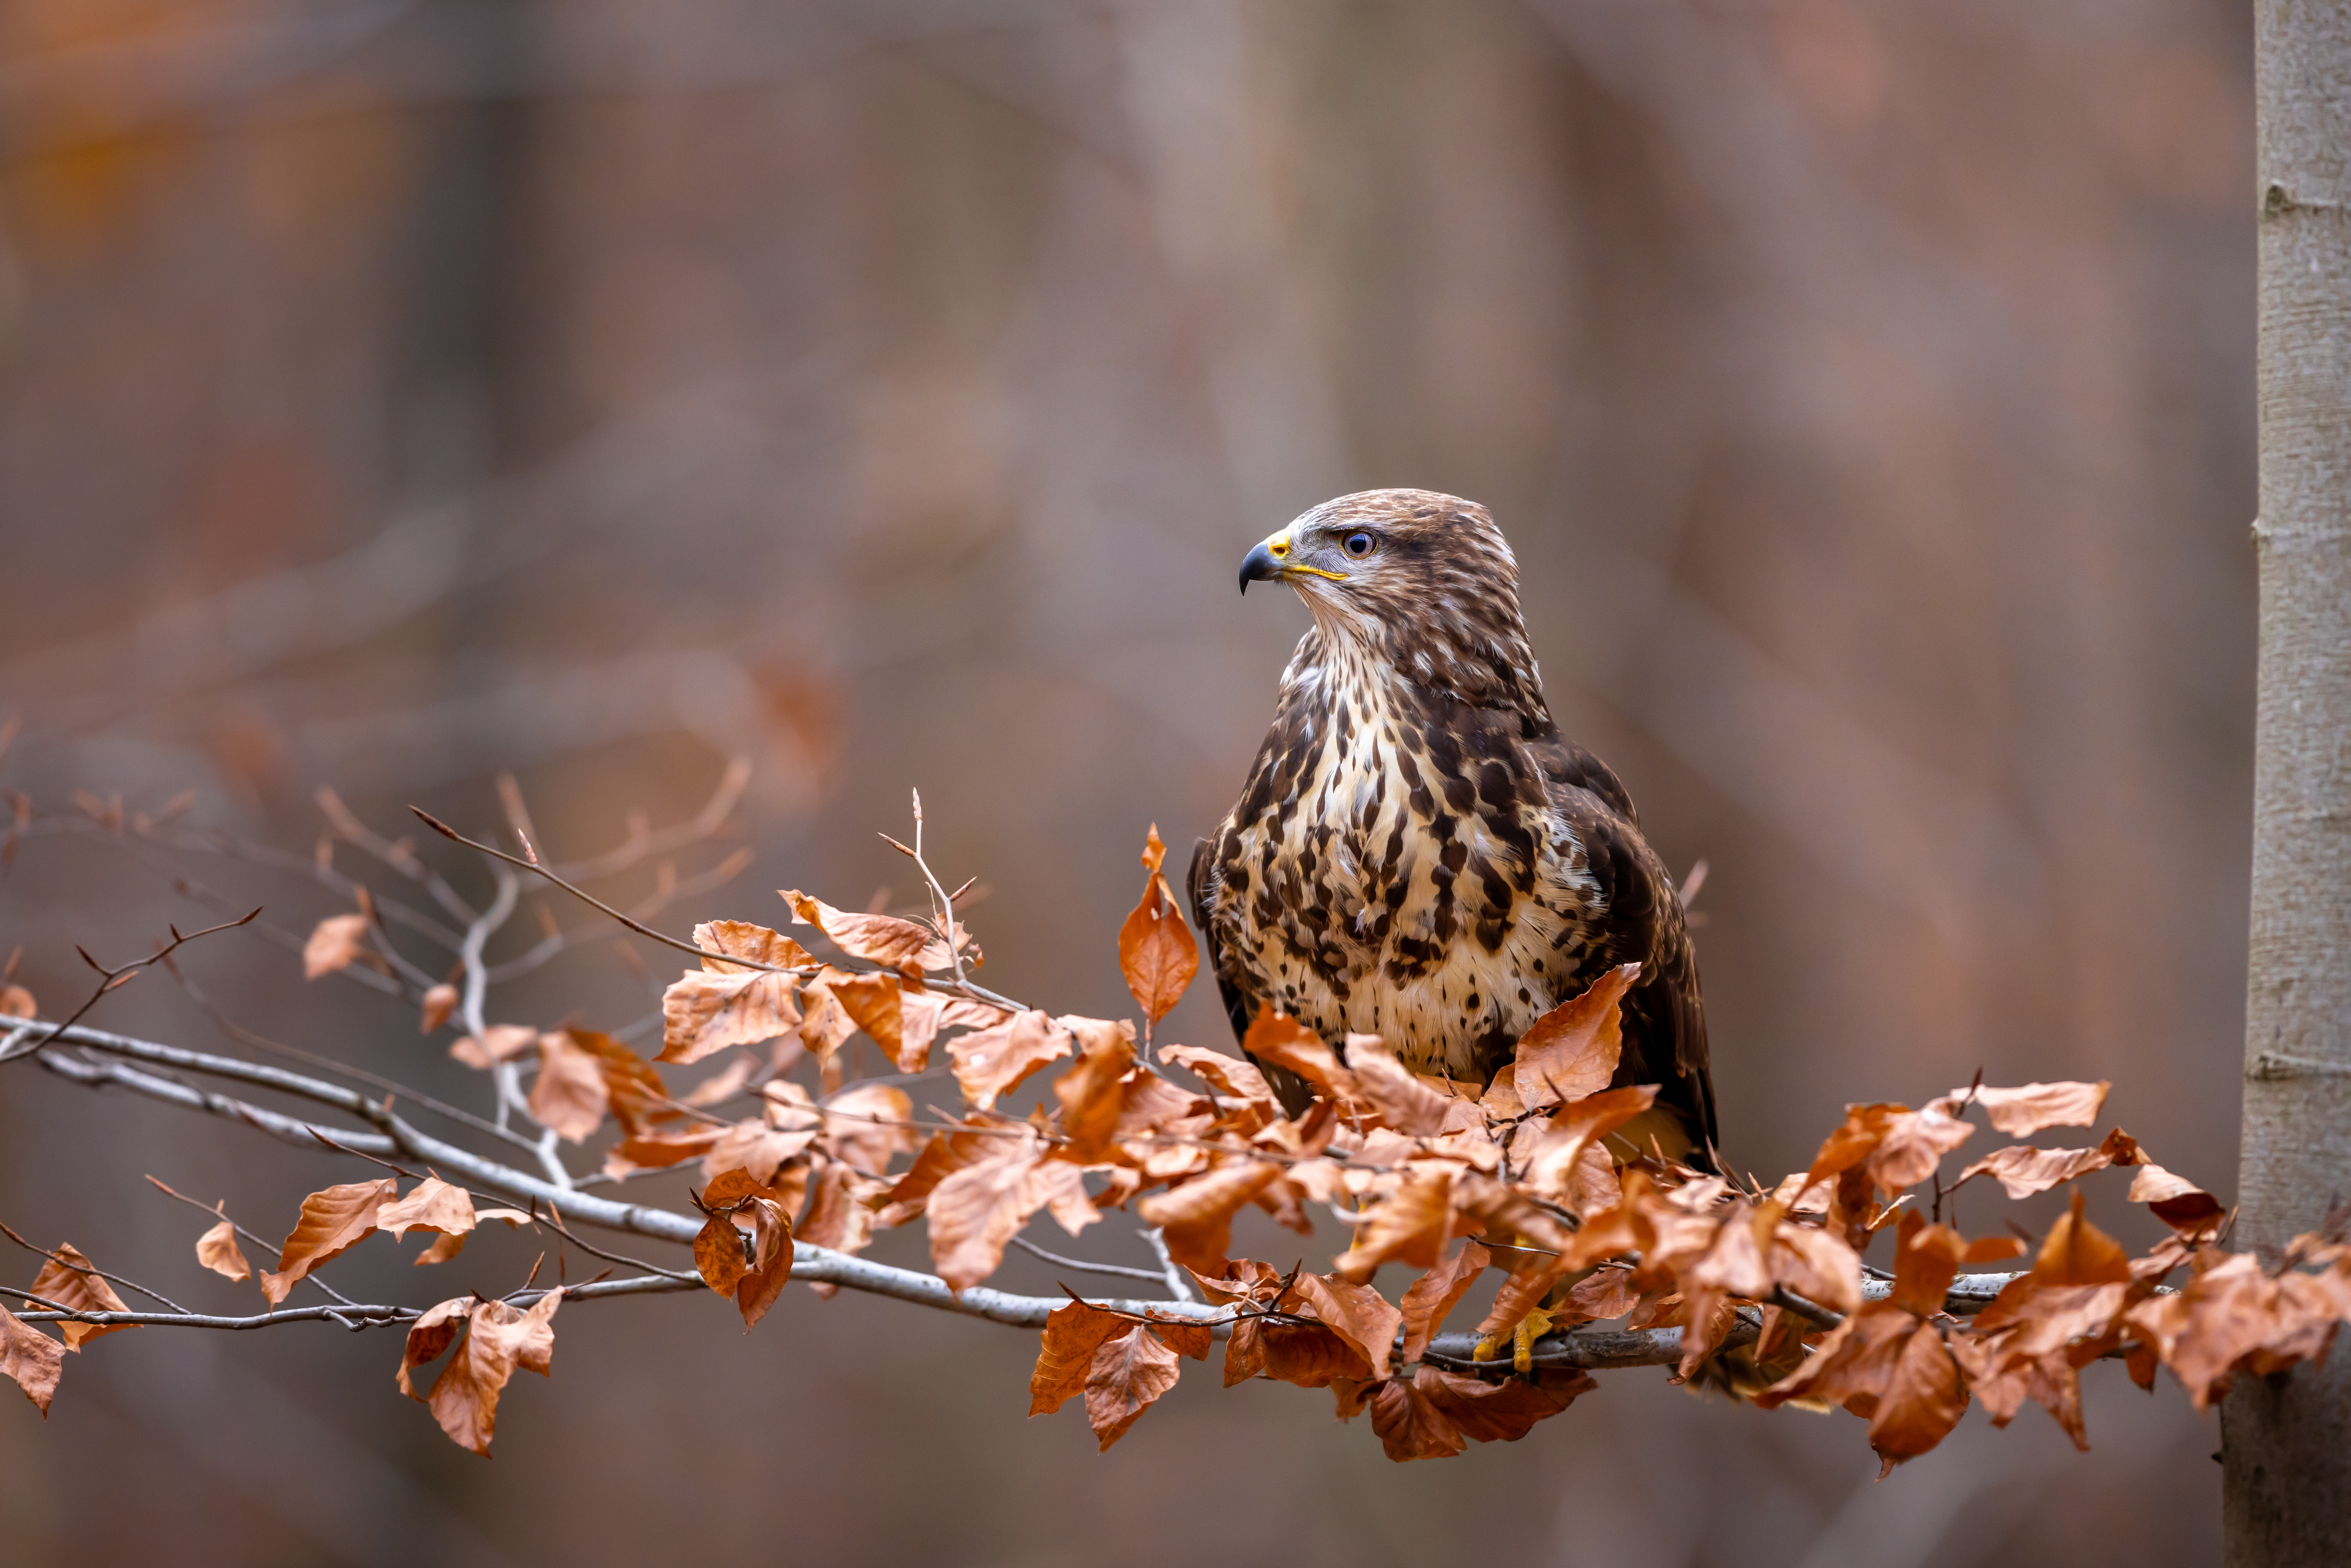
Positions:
{"x": 391, "y": 392}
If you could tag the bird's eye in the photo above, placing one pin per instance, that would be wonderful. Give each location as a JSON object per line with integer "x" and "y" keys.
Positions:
{"x": 1360, "y": 545}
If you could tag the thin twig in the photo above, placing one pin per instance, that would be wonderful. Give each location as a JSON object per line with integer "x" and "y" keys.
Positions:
{"x": 1121, "y": 1270}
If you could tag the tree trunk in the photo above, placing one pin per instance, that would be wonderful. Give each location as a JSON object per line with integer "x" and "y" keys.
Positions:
{"x": 2286, "y": 1441}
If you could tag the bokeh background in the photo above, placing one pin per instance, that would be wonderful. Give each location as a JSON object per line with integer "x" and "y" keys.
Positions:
{"x": 394, "y": 392}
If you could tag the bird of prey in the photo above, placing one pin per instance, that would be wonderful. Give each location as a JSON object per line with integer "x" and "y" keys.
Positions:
{"x": 1418, "y": 853}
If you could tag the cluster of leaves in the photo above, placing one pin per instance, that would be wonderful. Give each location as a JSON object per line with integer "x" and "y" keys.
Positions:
{"x": 1537, "y": 1177}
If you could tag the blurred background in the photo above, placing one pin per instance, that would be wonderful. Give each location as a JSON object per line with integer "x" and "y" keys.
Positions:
{"x": 394, "y": 391}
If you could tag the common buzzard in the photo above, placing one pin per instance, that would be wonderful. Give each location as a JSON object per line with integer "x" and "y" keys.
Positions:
{"x": 1418, "y": 853}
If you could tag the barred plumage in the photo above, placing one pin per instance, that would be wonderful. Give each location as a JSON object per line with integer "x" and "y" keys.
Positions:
{"x": 1418, "y": 853}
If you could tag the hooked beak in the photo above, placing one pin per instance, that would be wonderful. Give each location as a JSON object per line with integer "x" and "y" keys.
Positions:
{"x": 1262, "y": 564}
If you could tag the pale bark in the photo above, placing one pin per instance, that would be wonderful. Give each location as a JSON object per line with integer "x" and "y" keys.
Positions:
{"x": 2286, "y": 1485}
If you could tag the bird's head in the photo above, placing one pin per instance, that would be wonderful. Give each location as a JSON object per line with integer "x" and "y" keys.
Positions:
{"x": 1404, "y": 572}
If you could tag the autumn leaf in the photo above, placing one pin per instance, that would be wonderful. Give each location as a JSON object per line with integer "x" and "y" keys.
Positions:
{"x": 1432, "y": 1298}
{"x": 1409, "y": 1226}
{"x": 1196, "y": 1219}
{"x": 1156, "y": 952}
{"x": 1065, "y": 1353}
{"x": 334, "y": 1220}
{"x": 432, "y": 1205}
{"x": 1409, "y": 1423}
{"x": 1403, "y": 1101}
{"x": 1896, "y": 1146}
{"x": 1499, "y": 1412}
{"x": 1230, "y": 1076}
{"x": 658, "y": 1151}
{"x": 2021, "y": 1113}
{"x": 1921, "y": 1400}
{"x": 499, "y": 1042}
{"x": 1282, "y": 1040}
{"x": 2022, "y": 1170}
{"x": 976, "y": 1210}
{"x": 335, "y": 943}
{"x": 1549, "y": 1153}
{"x": 722, "y": 1004}
{"x": 771, "y": 1260}
{"x": 498, "y": 1340}
{"x": 993, "y": 1061}
{"x": 1088, "y": 1092}
{"x": 1129, "y": 1373}
{"x": 440, "y": 1002}
{"x": 1357, "y": 1313}
{"x": 217, "y": 1249}
{"x": 17, "y": 1002}
{"x": 866, "y": 1124}
{"x": 569, "y": 1096}
{"x": 1569, "y": 1052}
{"x": 31, "y": 1360}
{"x": 69, "y": 1279}
{"x": 884, "y": 939}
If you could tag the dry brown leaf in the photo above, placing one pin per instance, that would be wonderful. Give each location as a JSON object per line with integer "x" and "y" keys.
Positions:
{"x": 1129, "y": 1373}
{"x": 1090, "y": 1092}
{"x": 1357, "y": 1314}
{"x": 1572, "y": 1050}
{"x": 1065, "y": 1353}
{"x": 432, "y": 1205}
{"x": 1307, "y": 1354}
{"x": 1549, "y": 1155}
{"x": 1156, "y": 950}
{"x": 1403, "y": 1101}
{"x": 839, "y": 1213}
{"x": 444, "y": 1248}
{"x": 771, "y": 1267}
{"x": 31, "y": 1360}
{"x": 660, "y": 1151}
{"x": 718, "y": 1255}
{"x": 993, "y": 1061}
{"x": 1277, "y": 1040}
{"x": 2021, "y": 1113}
{"x": 883, "y": 939}
{"x": 498, "y": 1340}
{"x": 2234, "y": 1317}
{"x": 217, "y": 1249}
{"x": 827, "y": 1024}
{"x": 1409, "y": 1423}
{"x": 1921, "y": 1400}
{"x": 569, "y": 1096}
{"x": 921, "y": 1015}
{"x": 1229, "y": 1075}
{"x": 945, "y": 1152}
{"x": 1432, "y": 1298}
{"x": 725, "y": 1004}
{"x": 69, "y": 1279}
{"x": 2022, "y": 1170}
{"x": 1196, "y": 1219}
{"x": 976, "y": 1210}
{"x": 440, "y": 1002}
{"x": 498, "y": 1042}
{"x": 722, "y": 1085}
{"x": 865, "y": 1125}
{"x": 1499, "y": 1412}
{"x": 336, "y": 943}
{"x": 334, "y": 1220}
{"x": 1408, "y": 1225}
{"x": 871, "y": 1003}
{"x": 428, "y": 1336}
{"x": 1926, "y": 1261}
{"x": 2177, "y": 1201}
